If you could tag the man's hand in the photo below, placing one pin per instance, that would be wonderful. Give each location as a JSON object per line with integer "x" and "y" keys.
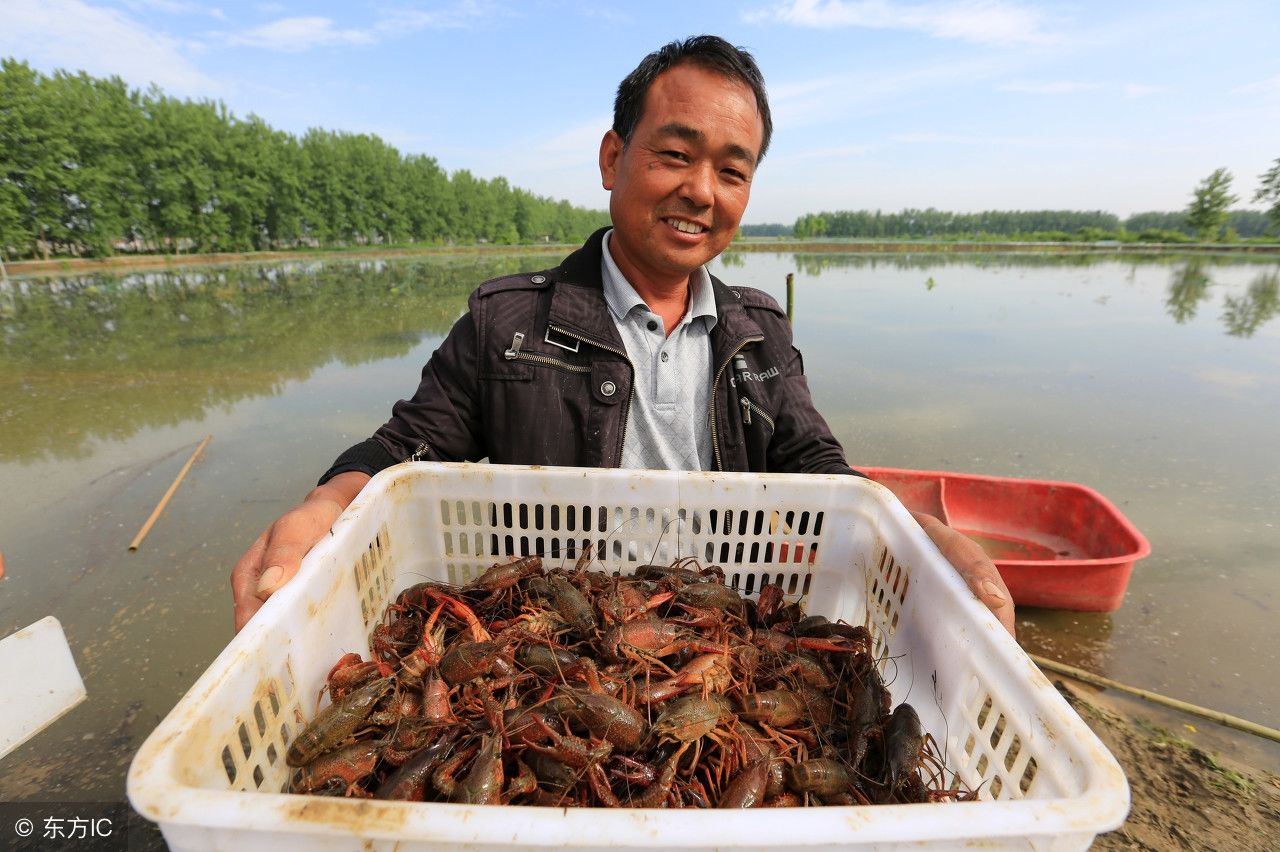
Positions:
{"x": 274, "y": 558}
{"x": 973, "y": 564}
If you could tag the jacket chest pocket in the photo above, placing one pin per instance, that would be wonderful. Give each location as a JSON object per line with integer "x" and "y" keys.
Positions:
{"x": 610, "y": 386}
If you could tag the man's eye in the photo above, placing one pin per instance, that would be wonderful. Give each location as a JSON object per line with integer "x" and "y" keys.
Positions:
{"x": 677, "y": 155}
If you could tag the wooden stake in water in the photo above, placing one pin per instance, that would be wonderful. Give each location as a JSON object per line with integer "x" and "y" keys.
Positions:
{"x": 791, "y": 297}
{"x": 164, "y": 501}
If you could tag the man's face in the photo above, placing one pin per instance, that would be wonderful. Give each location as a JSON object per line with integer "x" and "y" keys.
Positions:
{"x": 679, "y": 189}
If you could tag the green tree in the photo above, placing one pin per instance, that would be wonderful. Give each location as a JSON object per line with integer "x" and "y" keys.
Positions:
{"x": 428, "y": 198}
{"x": 86, "y": 163}
{"x": 1269, "y": 193}
{"x": 33, "y": 148}
{"x": 1207, "y": 213}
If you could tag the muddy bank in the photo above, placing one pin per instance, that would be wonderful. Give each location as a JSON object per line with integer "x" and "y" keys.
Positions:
{"x": 1185, "y": 793}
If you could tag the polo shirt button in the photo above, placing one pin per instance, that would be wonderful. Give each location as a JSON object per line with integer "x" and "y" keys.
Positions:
{"x": 664, "y": 357}
{"x": 653, "y": 325}
{"x": 608, "y": 388}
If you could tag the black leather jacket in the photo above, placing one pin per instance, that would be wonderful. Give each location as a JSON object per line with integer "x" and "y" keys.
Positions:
{"x": 536, "y": 373}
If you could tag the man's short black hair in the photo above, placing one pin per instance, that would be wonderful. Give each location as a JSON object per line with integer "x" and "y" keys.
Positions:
{"x": 706, "y": 51}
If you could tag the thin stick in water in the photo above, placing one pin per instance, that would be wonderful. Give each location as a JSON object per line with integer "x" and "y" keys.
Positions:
{"x": 1156, "y": 698}
{"x": 164, "y": 501}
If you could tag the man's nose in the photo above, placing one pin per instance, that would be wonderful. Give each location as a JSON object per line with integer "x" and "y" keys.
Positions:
{"x": 699, "y": 185}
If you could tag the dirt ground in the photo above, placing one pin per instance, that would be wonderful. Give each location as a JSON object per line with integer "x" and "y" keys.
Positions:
{"x": 1193, "y": 785}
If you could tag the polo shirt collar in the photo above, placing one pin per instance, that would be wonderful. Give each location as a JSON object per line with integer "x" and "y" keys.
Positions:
{"x": 622, "y": 298}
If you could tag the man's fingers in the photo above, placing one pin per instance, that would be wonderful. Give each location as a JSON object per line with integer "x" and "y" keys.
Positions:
{"x": 974, "y": 566}
{"x": 275, "y": 557}
{"x": 245, "y": 609}
{"x": 292, "y": 537}
{"x": 244, "y": 581}
{"x": 281, "y": 562}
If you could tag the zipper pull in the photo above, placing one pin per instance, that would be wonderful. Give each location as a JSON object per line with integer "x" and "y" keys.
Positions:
{"x": 740, "y": 371}
{"x": 516, "y": 342}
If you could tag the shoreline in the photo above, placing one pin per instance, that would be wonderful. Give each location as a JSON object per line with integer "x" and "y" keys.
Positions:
{"x": 1193, "y": 784}
{"x": 125, "y": 263}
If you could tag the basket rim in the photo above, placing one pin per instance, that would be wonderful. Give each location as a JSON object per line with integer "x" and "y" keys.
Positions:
{"x": 157, "y": 791}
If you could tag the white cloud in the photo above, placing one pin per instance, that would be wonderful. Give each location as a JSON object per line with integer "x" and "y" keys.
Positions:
{"x": 584, "y": 136}
{"x": 293, "y": 35}
{"x": 177, "y": 7}
{"x": 305, "y": 32}
{"x": 74, "y": 35}
{"x": 822, "y": 99}
{"x": 979, "y": 21}
{"x": 1071, "y": 87}
{"x": 1051, "y": 87}
{"x": 1085, "y": 143}
{"x": 402, "y": 21}
{"x": 1140, "y": 90}
{"x": 1270, "y": 86}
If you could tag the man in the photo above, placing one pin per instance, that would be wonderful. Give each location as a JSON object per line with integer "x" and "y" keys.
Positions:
{"x": 628, "y": 354}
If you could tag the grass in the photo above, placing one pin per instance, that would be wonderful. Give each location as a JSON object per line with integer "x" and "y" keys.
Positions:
{"x": 1224, "y": 776}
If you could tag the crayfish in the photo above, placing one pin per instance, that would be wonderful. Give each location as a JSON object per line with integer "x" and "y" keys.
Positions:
{"x": 567, "y": 686}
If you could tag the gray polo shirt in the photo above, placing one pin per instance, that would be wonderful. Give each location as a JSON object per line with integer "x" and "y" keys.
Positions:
{"x": 669, "y": 422}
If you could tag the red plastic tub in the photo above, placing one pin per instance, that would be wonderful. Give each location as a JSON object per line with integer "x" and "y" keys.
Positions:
{"x": 1056, "y": 544}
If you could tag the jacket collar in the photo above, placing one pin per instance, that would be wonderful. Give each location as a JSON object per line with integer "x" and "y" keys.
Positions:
{"x": 578, "y": 305}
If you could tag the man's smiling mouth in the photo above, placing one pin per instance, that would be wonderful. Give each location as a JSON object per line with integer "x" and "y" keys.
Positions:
{"x": 685, "y": 227}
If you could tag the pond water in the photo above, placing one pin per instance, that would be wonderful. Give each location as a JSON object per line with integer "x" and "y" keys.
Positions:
{"x": 1153, "y": 379}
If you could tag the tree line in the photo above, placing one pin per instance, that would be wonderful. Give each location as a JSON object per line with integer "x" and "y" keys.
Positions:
{"x": 90, "y": 167}
{"x": 1207, "y": 218}
{"x": 1046, "y": 225}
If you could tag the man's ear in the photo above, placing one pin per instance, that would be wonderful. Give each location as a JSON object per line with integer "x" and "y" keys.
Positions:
{"x": 610, "y": 151}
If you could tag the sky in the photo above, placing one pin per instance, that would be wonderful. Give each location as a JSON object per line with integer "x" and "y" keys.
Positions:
{"x": 961, "y": 105}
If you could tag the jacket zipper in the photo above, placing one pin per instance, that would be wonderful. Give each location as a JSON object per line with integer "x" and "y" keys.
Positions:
{"x": 616, "y": 351}
{"x": 418, "y": 452}
{"x": 514, "y": 354}
{"x": 762, "y": 413}
{"x": 548, "y": 361}
{"x": 715, "y": 434}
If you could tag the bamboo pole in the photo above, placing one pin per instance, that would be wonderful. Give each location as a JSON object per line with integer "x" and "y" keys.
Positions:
{"x": 1156, "y": 698}
{"x": 791, "y": 297}
{"x": 164, "y": 501}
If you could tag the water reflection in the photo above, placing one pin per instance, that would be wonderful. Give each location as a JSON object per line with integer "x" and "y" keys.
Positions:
{"x": 814, "y": 263}
{"x": 100, "y": 356}
{"x": 1190, "y": 281}
{"x": 1245, "y": 315}
{"x": 1242, "y": 315}
{"x": 1083, "y": 638}
{"x": 1188, "y": 287}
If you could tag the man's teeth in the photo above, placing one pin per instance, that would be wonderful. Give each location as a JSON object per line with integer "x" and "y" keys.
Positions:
{"x": 687, "y": 227}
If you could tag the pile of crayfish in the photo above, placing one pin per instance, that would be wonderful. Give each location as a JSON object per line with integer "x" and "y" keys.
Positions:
{"x": 565, "y": 687}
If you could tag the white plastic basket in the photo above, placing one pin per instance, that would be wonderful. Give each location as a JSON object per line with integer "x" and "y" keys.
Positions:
{"x": 211, "y": 772}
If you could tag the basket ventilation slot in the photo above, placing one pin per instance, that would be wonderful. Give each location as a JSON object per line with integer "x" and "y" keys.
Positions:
{"x": 992, "y": 750}
{"x": 373, "y": 577}
{"x": 476, "y": 535}
{"x": 885, "y": 599}
{"x": 253, "y": 756}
